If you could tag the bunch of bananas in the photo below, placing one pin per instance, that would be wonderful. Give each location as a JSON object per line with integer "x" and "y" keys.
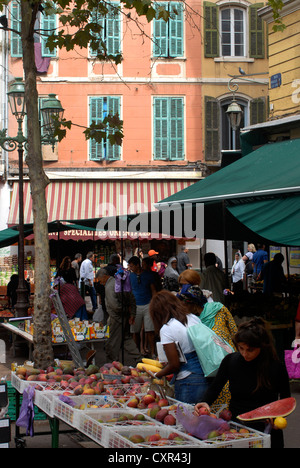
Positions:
{"x": 151, "y": 365}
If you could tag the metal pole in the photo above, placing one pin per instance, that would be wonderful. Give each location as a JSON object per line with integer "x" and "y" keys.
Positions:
{"x": 22, "y": 303}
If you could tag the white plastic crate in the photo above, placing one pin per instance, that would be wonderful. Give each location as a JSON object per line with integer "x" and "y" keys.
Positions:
{"x": 20, "y": 384}
{"x": 83, "y": 403}
{"x": 250, "y": 439}
{"x": 93, "y": 423}
{"x": 119, "y": 437}
{"x": 45, "y": 400}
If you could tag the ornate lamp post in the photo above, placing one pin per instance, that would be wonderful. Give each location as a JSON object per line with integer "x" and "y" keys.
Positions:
{"x": 234, "y": 110}
{"x": 16, "y": 96}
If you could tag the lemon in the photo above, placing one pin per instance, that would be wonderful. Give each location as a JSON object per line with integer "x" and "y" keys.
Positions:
{"x": 280, "y": 423}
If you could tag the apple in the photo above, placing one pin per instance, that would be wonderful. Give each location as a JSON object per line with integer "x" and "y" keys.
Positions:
{"x": 225, "y": 414}
{"x": 203, "y": 411}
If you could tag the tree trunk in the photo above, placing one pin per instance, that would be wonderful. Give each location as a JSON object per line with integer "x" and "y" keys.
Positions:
{"x": 42, "y": 335}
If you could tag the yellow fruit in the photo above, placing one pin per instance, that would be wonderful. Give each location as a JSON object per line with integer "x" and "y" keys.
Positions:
{"x": 280, "y": 423}
{"x": 152, "y": 362}
{"x": 142, "y": 366}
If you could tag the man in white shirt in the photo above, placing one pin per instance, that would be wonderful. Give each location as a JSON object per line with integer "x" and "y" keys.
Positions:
{"x": 87, "y": 277}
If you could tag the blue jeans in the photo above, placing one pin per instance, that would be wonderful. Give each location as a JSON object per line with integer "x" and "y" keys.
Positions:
{"x": 192, "y": 388}
{"x": 82, "y": 313}
{"x": 93, "y": 295}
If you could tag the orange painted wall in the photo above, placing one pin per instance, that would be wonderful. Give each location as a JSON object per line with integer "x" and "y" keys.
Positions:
{"x": 73, "y": 77}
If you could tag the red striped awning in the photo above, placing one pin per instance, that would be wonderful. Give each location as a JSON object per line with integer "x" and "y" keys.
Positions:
{"x": 78, "y": 200}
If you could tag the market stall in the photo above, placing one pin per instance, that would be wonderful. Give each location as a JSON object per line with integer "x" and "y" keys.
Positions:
{"x": 119, "y": 407}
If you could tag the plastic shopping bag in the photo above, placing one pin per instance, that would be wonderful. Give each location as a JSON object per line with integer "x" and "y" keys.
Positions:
{"x": 199, "y": 426}
{"x": 26, "y": 417}
{"x": 210, "y": 348}
{"x": 292, "y": 362}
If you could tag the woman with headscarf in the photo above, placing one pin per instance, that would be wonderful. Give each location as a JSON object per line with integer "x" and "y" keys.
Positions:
{"x": 171, "y": 276}
{"x": 215, "y": 316}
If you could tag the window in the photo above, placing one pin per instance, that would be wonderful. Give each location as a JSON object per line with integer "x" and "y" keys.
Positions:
{"x": 168, "y": 128}
{"x": 168, "y": 36}
{"x": 218, "y": 132}
{"x": 100, "y": 107}
{"x": 233, "y": 32}
{"x": 109, "y": 39}
{"x": 44, "y": 26}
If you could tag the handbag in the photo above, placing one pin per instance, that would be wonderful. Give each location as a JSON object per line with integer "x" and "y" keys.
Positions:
{"x": 292, "y": 362}
{"x": 210, "y": 348}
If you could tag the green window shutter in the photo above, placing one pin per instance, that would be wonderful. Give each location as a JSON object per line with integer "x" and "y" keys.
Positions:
{"x": 96, "y": 115}
{"x": 212, "y": 125}
{"x": 113, "y": 37}
{"x": 168, "y": 129}
{"x": 161, "y": 36}
{"x": 168, "y": 36}
{"x": 113, "y": 106}
{"x": 257, "y": 32}
{"x": 110, "y": 30}
{"x": 48, "y": 26}
{"x": 99, "y": 108}
{"x": 15, "y": 38}
{"x": 161, "y": 128}
{"x": 176, "y": 30}
{"x": 97, "y": 18}
{"x": 211, "y": 30}
{"x": 258, "y": 111}
{"x": 176, "y": 136}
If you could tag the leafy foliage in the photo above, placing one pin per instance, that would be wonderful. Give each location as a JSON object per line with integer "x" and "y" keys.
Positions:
{"x": 81, "y": 26}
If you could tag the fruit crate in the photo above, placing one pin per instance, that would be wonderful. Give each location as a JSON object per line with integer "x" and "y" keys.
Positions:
{"x": 236, "y": 439}
{"x": 20, "y": 384}
{"x": 12, "y": 407}
{"x": 45, "y": 400}
{"x": 69, "y": 409}
{"x": 167, "y": 437}
{"x": 94, "y": 423}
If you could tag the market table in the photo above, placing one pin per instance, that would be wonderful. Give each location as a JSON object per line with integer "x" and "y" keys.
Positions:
{"x": 15, "y": 331}
{"x": 100, "y": 417}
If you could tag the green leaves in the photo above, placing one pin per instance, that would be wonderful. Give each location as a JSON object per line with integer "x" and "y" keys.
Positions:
{"x": 277, "y": 6}
{"x": 111, "y": 127}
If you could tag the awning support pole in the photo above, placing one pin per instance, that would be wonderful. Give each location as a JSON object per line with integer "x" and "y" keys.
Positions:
{"x": 225, "y": 243}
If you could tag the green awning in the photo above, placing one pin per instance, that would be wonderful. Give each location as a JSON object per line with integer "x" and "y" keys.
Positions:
{"x": 261, "y": 191}
{"x": 271, "y": 170}
{"x": 10, "y": 236}
{"x": 277, "y": 220}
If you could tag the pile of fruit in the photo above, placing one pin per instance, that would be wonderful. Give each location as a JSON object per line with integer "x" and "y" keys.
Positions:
{"x": 93, "y": 380}
{"x": 156, "y": 439}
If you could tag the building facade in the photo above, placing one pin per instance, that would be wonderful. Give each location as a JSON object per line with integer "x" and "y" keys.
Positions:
{"x": 284, "y": 60}
{"x": 171, "y": 90}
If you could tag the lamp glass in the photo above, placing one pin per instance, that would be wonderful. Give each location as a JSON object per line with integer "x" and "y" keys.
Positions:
{"x": 16, "y": 97}
{"x": 234, "y": 113}
{"x": 51, "y": 110}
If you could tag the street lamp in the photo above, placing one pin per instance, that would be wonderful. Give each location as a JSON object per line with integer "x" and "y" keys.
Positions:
{"x": 234, "y": 113}
{"x": 16, "y": 97}
{"x": 234, "y": 110}
{"x": 51, "y": 111}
